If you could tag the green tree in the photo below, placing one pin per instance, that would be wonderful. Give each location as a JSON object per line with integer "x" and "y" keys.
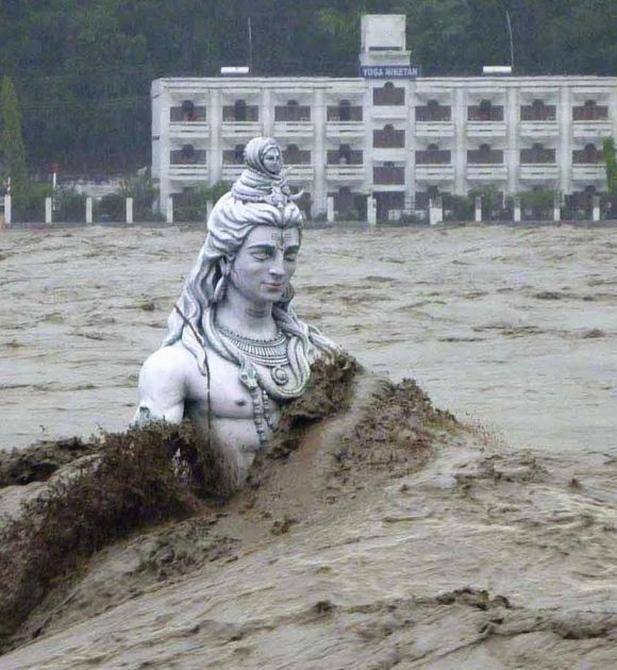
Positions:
{"x": 12, "y": 152}
{"x": 608, "y": 153}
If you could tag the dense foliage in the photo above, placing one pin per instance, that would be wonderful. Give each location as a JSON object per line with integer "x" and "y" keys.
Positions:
{"x": 82, "y": 70}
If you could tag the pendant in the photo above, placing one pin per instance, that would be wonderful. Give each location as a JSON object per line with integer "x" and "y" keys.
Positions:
{"x": 279, "y": 375}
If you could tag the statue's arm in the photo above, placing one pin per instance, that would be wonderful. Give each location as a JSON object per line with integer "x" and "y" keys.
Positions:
{"x": 162, "y": 387}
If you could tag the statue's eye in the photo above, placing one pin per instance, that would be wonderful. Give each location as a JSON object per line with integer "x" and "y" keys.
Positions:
{"x": 262, "y": 254}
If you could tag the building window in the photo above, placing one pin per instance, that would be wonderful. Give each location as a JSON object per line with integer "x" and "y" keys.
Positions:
{"x": 187, "y": 112}
{"x": 292, "y": 112}
{"x": 344, "y": 111}
{"x": 187, "y": 155}
{"x": 537, "y": 155}
{"x": 590, "y": 111}
{"x": 538, "y": 111}
{"x": 485, "y": 111}
{"x": 433, "y": 111}
{"x": 590, "y": 155}
{"x": 240, "y": 112}
{"x": 433, "y": 156}
{"x": 485, "y": 156}
{"x": 293, "y": 155}
{"x": 389, "y": 138}
{"x": 239, "y": 154}
{"x": 389, "y": 94}
{"x": 344, "y": 155}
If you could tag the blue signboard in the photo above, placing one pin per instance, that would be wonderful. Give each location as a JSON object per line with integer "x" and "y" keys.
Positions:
{"x": 390, "y": 71}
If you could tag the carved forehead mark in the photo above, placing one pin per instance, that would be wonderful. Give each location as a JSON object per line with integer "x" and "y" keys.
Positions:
{"x": 283, "y": 238}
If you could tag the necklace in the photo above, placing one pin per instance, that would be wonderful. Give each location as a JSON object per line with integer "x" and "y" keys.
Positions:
{"x": 271, "y": 354}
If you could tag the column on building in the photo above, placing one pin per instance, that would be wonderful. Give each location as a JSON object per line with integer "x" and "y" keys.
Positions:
{"x": 512, "y": 138}
{"x": 410, "y": 167}
{"x": 565, "y": 143}
{"x": 460, "y": 141}
{"x": 163, "y": 105}
{"x": 318, "y": 151}
{"x": 266, "y": 111}
{"x": 215, "y": 152}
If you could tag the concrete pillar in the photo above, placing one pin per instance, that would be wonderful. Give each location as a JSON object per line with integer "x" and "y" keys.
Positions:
{"x": 557, "y": 208}
{"x": 169, "y": 210}
{"x": 517, "y": 209}
{"x": 318, "y": 114}
{"x": 8, "y": 213}
{"x": 129, "y": 210}
{"x": 88, "y": 210}
{"x": 564, "y": 155}
{"x": 330, "y": 209}
{"x": 460, "y": 141}
{"x": 435, "y": 211}
{"x": 371, "y": 211}
{"x": 267, "y": 112}
{"x": 478, "y": 209}
{"x": 512, "y": 152}
{"x": 596, "y": 207}
{"x": 48, "y": 210}
{"x": 215, "y": 154}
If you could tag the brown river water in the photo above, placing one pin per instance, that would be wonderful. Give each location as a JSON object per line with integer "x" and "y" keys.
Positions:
{"x": 515, "y": 328}
{"x": 495, "y": 549}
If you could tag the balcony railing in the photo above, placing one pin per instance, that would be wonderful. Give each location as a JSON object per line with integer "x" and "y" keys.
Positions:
{"x": 432, "y": 173}
{"x": 388, "y": 96}
{"x": 352, "y": 157}
{"x": 485, "y": 157}
{"x": 481, "y": 113}
{"x": 589, "y": 173}
{"x": 434, "y": 129}
{"x": 538, "y": 156}
{"x": 538, "y": 112}
{"x": 432, "y": 114}
{"x": 433, "y": 157}
{"x": 389, "y": 139}
{"x": 288, "y": 113}
{"x": 189, "y": 129}
{"x": 532, "y": 172}
{"x": 389, "y": 175}
{"x": 345, "y": 114}
{"x": 234, "y": 114}
{"x": 188, "y": 172}
{"x": 345, "y": 173}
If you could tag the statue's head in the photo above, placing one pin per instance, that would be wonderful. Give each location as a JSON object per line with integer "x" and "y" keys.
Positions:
{"x": 256, "y": 220}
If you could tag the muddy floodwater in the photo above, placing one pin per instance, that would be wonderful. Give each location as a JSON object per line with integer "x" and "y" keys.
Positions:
{"x": 515, "y": 328}
{"x": 391, "y": 535}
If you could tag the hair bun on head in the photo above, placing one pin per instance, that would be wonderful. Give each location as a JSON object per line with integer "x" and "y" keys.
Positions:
{"x": 257, "y": 183}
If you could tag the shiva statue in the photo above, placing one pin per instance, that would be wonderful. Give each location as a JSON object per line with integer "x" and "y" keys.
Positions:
{"x": 235, "y": 350}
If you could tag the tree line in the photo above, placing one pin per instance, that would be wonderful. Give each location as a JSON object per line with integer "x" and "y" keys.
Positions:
{"x": 82, "y": 70}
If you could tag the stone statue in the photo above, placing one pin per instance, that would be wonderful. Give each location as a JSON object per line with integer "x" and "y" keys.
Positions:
{"x": 235, "y": 349}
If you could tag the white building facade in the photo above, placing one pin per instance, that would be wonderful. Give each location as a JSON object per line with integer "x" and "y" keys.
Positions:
{"x": 388, "y": 135}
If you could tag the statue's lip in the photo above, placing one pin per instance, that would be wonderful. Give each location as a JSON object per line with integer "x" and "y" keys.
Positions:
{"x": 274, "y": 284}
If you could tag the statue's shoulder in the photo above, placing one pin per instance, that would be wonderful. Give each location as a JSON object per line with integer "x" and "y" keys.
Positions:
{"x": 171, "y": 366}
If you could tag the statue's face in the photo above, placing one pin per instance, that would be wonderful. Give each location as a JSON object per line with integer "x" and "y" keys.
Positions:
{"x": 272, "y": 160}
{"x": 265, "y": 264}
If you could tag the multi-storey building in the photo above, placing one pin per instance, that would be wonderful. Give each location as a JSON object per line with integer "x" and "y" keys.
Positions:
{"x": 388, "y": 134}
